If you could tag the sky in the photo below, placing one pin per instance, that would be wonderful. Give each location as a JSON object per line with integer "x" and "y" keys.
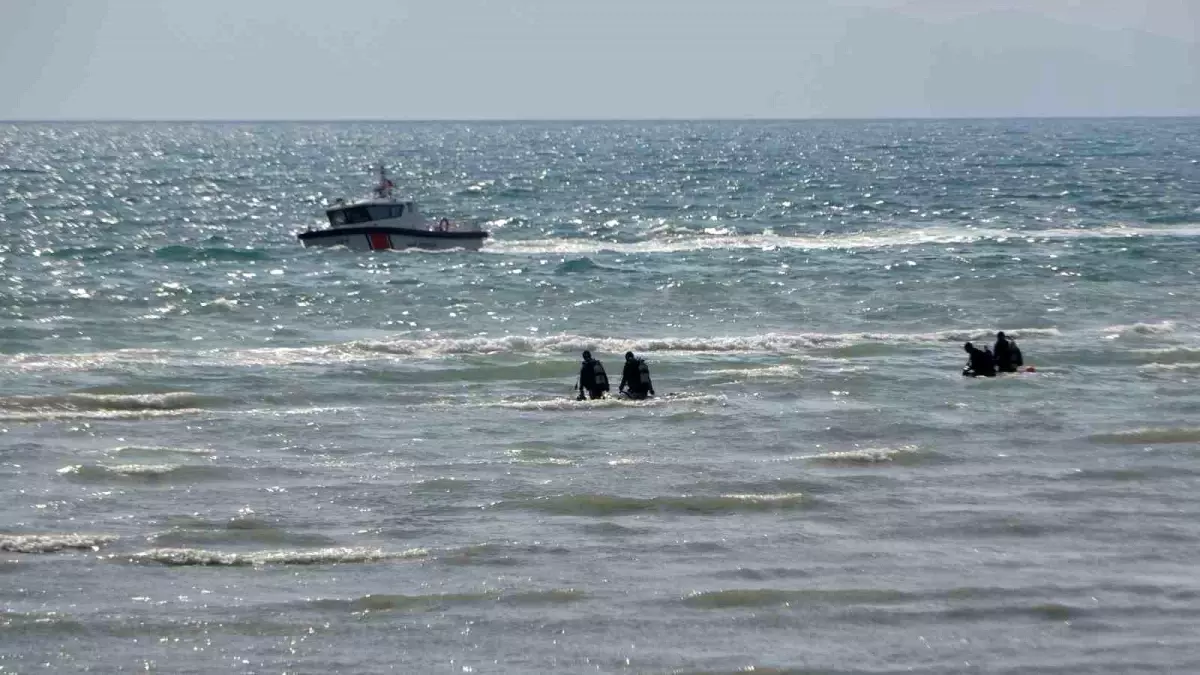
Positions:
{"x": 596, "y": 59}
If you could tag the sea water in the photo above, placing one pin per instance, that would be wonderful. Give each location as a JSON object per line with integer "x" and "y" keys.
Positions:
{"x": 223, "y": 452}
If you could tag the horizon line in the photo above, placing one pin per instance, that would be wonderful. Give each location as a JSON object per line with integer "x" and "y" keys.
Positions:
{"x": 577, "y": 120}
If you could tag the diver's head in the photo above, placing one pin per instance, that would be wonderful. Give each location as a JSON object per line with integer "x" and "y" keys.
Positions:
{"x": 629, "y": 356}
{"x": 587, "y": 356}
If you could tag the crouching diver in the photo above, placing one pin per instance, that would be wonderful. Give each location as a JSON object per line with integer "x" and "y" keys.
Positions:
{"x": 635, "y": 378}
{"x": 592, "y": 378}
{"x": 981, "y": 364}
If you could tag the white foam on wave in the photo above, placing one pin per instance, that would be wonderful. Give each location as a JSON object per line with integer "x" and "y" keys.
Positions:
{"x": 96, "y": 406}
{"x": 766, "y": 372}
{"x": 120, "y": 469}
{"x": 324, "y": 556}
{"x": 782, "y": 497}
{"x": 172, "y": 400}
{"x": 626, "y": 461}
{"x": 855, "y": 456}
{"x": 53, "y": 543}
{"x": 863, "y": 455}
{"x": 1170, "y": 355}
{"x": 158, "y": 450}
{"x": 916, "y": 237}
{"x": 1149, "y": 436}
{"x": 563, "y": 343}
{"x": 1170, "y": 367}
{"x": 1157, "y": 328}
{"x": 96, "y": 415}
{"x": 572, "y": 404}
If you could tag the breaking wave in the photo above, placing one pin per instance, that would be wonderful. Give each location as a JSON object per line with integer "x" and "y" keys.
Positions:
{"x": 1169, "y": 367}
{"x": 771, "y": 597}
{"x": 1159, "y": 328}
{"x": 1170, "y": 355}
{"x": 601, "y": 505}
{"x": 864, "y": 456}
{"x": 572, "y": 404}
{"x": 98, "y": 406}
{"x": 442, "y": 601}
{"x": 324, "y": 556}
{"x": 1149, "y": 436}
{"x": 142, "y": 472}
{"x": 52, "y": 543}
{"x": 52, "y": 416}
{"x": 766, "y": 372}
{"x": 537, "y": 457}
{"x": 155, "y": 450}
{"x": 561, "y": 344}
{"x": 174, "y": 400}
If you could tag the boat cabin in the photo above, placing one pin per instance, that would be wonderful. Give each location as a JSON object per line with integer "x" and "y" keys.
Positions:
{"x": 358, "y": 214}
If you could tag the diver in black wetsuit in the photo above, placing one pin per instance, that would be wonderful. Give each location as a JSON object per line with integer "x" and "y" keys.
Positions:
{"x": 982, "y": 363}
{"x": 1008, "y": 354}
{"x": 635, "y": 378}
{"x": 592, "y": 378}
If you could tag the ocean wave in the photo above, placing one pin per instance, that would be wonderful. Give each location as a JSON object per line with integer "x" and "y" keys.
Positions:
{"x": 537, "y": 457}
{"x": 442, "y": 601}
{"x": 1169, "y": 367}
{"x": 697, "y": 241}
{"x": 182, "y": 253}
{"x": 560, "y": 344}
{"x": 324, "y": 556}
{"x": 602, "y": 505}
{"x": 781, "y": 498}
{"x": 88, "y": 360}
{"x": 1157, "y": 328}
{"x": 52, "y": 543}
{"x": 1123, "y": 475}
{"x": 95, "y": 415}
{"x": 156, "y": 450}
{"x": 445, "y": 485}
{"x": 773, "y": 597}
{"x": 763, "y": 373}
{"x": 578, "y": 265}
{"x": 485, "y": 555}
{"x": 572, "y": 404}
{"x": 1149, "y": 436}
{"x": 98, "y": 406}
{"x": 865, "y": 456}
{"x": 142, "y": 472}
{"x": 237, "y": 531}
{"x": 1169, "y": 355}
{"x": 173, "y": 400}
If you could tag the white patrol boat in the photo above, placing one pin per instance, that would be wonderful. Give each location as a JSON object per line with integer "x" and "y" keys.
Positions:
{"x": 383, "y": 222}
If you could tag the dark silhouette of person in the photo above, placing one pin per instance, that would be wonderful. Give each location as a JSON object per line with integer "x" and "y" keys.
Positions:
{"x": 592, "y": 378}
{"x": 636, "y": 377}
{"x": 1008, "y": 356}
{"x": 982, "y": 364}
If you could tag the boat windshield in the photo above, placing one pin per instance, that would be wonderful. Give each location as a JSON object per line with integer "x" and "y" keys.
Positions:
{"x": 354, "y": 215}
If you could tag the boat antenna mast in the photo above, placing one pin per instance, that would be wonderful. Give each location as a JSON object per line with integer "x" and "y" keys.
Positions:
{"x": 384, "y": 189}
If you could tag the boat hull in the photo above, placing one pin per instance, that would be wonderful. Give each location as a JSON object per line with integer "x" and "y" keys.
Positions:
{"x": 377, "y": 238}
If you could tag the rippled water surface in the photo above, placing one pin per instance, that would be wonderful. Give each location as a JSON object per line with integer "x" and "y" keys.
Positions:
{"x": 222, "y": 451}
